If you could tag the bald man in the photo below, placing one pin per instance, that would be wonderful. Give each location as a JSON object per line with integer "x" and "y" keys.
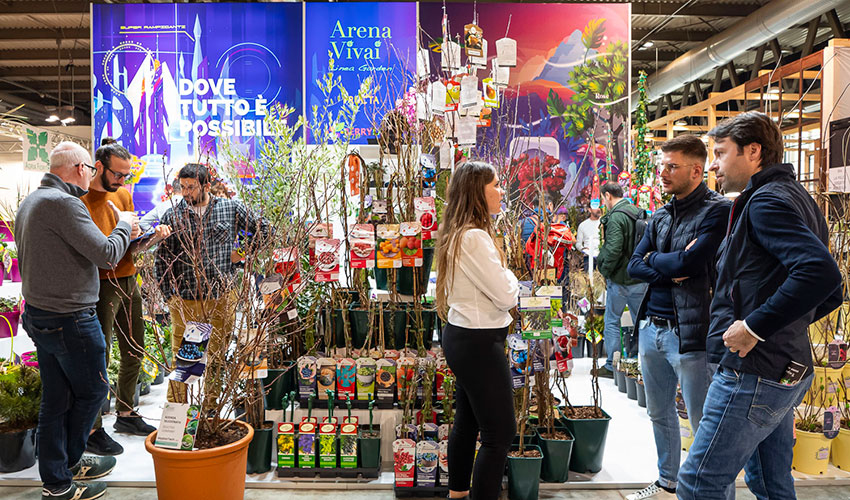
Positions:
{"x": 60, "y": 250}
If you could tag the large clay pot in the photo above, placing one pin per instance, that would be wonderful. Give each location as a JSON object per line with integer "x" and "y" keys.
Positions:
{"x": 200, "y": 475}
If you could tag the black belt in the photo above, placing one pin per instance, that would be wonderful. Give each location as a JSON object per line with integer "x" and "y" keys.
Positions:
{"x": 659, "y": 321}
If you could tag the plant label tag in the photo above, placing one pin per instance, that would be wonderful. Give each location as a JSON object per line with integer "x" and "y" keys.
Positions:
{"x": 178, "y": 426}
{"x": 271, "y": 284}
{"x": 468, "y": 91}
{"x": 327, "y": 445}
{"x": 490, "y": 93}
{"x": 450, "y": 55}
{"x": 479, "y": 61}
{"x": 444, "y": 462}
{"x": 307, "y": 375}
{"x": 506, "y": 52}
{"x": 348, "y": 445}
{"x": 286, "y": 445}
{"x": 446, "y": 156}
{"x": 536, "y": 321}
{"x": 385, "y": 381}
{"x": 473, "y": 37}
{"x": 793, "y": 374}
{"x": 366, "y": 370}
{"x": 345, "y": 379}
{"x": 836, "y": 352}
{"x": 467, "y": 129}
{"x": 197, "y": 332}
{"x": 404, "y": 462}
{"x": 501, "y": 75}
{"x": 307, "y": 445}
{"x": 327, "y": 260}
{"x": 438, "y": 97}
{"x": 831, "y": 422}
{"x": 410, "y": 244}
{"x": 427, "y": 456}
{"x": 326, "y": 380}
{"x": 389, "y": 250}
{"x": 423, "y": 63}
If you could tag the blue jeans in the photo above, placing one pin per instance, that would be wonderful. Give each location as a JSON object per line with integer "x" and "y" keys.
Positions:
{"x": 618, "y": 297}
{"x": 663, "y": 368}
{"x": 748, "y": 422}
{"x": 72, "y": 362}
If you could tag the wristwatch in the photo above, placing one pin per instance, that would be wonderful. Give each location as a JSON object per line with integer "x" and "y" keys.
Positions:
{"x": 646, "y": 257}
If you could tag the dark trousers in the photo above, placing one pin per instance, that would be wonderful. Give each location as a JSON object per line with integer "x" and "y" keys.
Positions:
{"x": 484, "y": 404}
{"x": 72, "y": 362}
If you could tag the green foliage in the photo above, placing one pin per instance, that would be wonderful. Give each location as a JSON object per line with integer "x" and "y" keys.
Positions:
{"x": 642, "y": 162}
{"x": 8, "y": 304}
{"x": 20, "y": 397}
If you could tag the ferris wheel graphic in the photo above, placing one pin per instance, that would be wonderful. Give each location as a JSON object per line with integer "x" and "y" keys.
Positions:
{"x": 122, "y": 48}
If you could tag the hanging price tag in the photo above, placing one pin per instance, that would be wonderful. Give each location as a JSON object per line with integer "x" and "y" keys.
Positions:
{"x": 450, "y": 55}
{"x": 423, "y": 63}
{"x": 479, "y": 61}
{"x": 468, "y": 91}
{"x": 446, "y": 156}
{"x": 506, "y": 52}
{"x": 438, "y": 97}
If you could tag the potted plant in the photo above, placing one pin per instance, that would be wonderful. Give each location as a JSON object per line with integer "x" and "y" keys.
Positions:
{"x": 369, "y": 442}
{"x": 841, "y": 444}
{"x": 630, "y": 369}
{"x": 556, "y": 442}
{"x": 20, "y": 398}
{"x": 641, "y": 392}
{"x": 525, "y": 460}
{"x": 10, "y": 316}
{"x": 812, "y": 447}
{"x": 13, "y": 271}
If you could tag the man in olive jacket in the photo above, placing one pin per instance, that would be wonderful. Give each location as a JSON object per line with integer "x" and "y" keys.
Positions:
{"x": 619, "y": 233}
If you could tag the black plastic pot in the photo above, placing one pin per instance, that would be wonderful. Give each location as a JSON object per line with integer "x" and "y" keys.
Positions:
{"x": 369, "y": 448}
{"x": 280, "y": 382}
{"x": 404, "y": 276}
{"x": 589, "y": 445}
{"x": 524, "y": 475}
{"x": 160, "y": 378}
{"x": 359, "y": 324}
{"x": 145, "y": 389}
{"x": 530, "y": 437}
{"x": 621, "y": 380}
{"x": 641, "y": 395}
{"x": 260, "y": 450}
{"x": 578, "y": 349}
{"x": 556, "y": 457}
{"x": 17, "y": 450}
{"x": 631, "y": 388}
{"x": 395, "y": 325}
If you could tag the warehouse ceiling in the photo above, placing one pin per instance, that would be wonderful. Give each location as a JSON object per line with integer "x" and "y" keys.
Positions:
{"x": 45, "y": 44}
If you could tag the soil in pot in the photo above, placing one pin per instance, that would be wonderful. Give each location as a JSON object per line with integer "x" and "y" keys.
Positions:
{"x": 589, "y": 426}
{"x": 557, "y": 448}
{"x": 230, "y": 435}
{"x": 524, "y": 473}
{"x": 369, "y": 448}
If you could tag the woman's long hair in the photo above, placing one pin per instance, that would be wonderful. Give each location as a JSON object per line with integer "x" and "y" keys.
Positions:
{"x": 466, "y": 208}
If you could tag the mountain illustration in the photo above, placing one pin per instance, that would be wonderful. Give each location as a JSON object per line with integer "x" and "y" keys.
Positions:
{"x": 569, "y": 54}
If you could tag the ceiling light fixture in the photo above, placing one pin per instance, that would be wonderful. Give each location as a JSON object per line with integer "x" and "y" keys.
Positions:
{"x": 52, "y": 119}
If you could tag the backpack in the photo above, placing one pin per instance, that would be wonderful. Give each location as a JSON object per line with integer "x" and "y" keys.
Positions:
{"x": 641, "y": 221}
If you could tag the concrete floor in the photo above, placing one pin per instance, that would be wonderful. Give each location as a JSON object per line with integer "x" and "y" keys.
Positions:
{"x": 803, "y": 493}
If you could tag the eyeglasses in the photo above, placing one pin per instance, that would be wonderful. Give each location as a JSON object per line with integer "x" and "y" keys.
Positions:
{"x": 92, "y": 168}
{"x": 118, "y": 176}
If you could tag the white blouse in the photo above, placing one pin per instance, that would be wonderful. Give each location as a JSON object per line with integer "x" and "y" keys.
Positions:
{"x": 483, "y": 291}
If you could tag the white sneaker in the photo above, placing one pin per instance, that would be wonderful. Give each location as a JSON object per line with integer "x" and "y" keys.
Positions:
{"x": 653, "y": 490}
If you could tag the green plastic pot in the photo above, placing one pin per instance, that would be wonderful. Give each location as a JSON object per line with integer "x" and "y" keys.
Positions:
{"x": 280, "y": 382}
{"x": 589, "y": 444}
{"x": 369, "y": 448}
{"x": 556, "y": 456}
{"x": 530, "y": 437}
{"x": 524, "y": 475}
{"x": 395, "y": 324}
{"x": 260, "y": 450}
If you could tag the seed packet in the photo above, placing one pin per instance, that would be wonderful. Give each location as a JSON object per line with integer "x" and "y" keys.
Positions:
{"x": 404, "y": 453}
{"x": 326, "y": 377}
{"x": 366, "y": 370}
{"x": 362, "y": 242}
{"x": 473, "y": 37}
{"x": 426, "y": 214}
{"x": 327, "y": 445}
{"x": 327, "y": 260}
{"x": 535, "y": 313}
{"x": 410, "y": 244}
{"x": 348, "y": 445}
{"x": 427, "y": 456}
{"x": 307, "y": 371}
{"x": 307, "y": 444}
{"x": 385, "y": 380}
{"x": 318, "y": 231}
{"x": 286, "y": 445}
{"x": 345, "y": 371}
{"x": 389, "y": 251}
{"x": 444, "y": 462}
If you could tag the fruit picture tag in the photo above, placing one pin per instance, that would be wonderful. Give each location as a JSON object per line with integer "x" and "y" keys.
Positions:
{"x": 453, "y": 93}
{"x": 379, "y": 211}
{"x": 365, "y": 378}
{"x": 318, "y": 231}
{"x": 468, "y": 91}
{"x": 385, "y": 381}
{"x": 271, "y": 284}
{"x": 362, "y": 244}
{"x": 389, "y": 251}
{"x": 426, "y": 213}
{"x": 836, "y": 353}
{"x": 307, "y": 374}
{"x": 410, "y": 244}
{"x": 197, "y": 332}
{"x": 473, "y": 37}
{"x": 831, "y": 422}
{"x": 327, "y": 260}
{"x": 326, "y": 379}
{"x": 535, "y": 313}
{"x": 345, "y": 379}
{"x": 481, "y": 60}
{"x": 449, "y": 55}
{"x": 506, "y": 52}
{"x": 423, "y": 63}
{"x": 438, "y": 97}
{"x": 490, "y": 93}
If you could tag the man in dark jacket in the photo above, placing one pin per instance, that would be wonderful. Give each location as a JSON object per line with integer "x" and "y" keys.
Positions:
{"x": 775, "y": 276}
{"x": 618, "y": 227}
{"x": 676, "y": 258}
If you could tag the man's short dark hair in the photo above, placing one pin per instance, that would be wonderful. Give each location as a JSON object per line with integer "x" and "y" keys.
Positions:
{"x": 612, "y": 188}
{"x": 107, "y": 140}
{"x": 689, "y": 145}
{"x": 195, "y": 171}
{"x": 752, "y": 127}
{"x": 105, "y": 153}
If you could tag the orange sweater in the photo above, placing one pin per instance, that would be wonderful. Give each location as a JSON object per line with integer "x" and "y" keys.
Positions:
{"x": 104, "y": 219}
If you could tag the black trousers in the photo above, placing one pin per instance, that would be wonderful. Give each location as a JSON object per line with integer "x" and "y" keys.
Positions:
{"x": 484, "y": 404}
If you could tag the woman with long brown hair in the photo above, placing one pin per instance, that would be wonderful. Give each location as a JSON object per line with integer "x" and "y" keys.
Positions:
{"x": 475, "y": 293}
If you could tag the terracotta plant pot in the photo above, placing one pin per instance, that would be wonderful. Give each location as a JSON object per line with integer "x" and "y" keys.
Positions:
{"x": 200, "y": 475}
{"x": 811, "y": 453}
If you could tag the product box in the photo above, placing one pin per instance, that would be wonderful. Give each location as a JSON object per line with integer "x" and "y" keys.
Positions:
{"x": 404, "y": 461}
{"x": 307, "y": 371}
{"x": 326, "y": 379}
{"x": 389, "y": 250}
{"x": 410, "y": 244}
{"x": 348, "y": 444}
{"x": 307, "y": 444}
{"x": 362, "y": 243}
{"x": 535, "y": 315}
{"x": 327, "y": 260}
{"x": 366, "y": 370}
{"x": 345, "y": 371}
{"x": 427, "y": 455}
{"x": 444, "y": 462}
{"x": 327, "y": 445}
{"x": 385, "y": 381}
{"x": 286, "y": 444}
{"x": 318, "y": 231}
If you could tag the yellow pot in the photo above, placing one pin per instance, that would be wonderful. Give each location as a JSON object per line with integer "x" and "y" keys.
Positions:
{"x": 832, "y": 392}
{"x": 841, "y": 450}
{"x": 811, "y": 453}
{"x": 686, "y": 433}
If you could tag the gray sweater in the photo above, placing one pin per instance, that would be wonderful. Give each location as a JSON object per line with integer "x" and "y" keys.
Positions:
{"x": 60, "y": 248}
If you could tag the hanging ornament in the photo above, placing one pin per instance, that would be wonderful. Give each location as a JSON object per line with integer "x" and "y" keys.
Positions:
{"x": 644, "y": 196}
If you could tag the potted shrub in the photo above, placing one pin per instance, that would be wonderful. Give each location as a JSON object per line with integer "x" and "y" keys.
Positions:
{"x": 841, "y": 444}
{"x": 641, "y": 392}
{"x": 10, "y": 316}
{"x": 20, "y": 398}
{"x": 630, "y": 369}
{"x": 525, "y": 460}
{"x": 555, "y": 441}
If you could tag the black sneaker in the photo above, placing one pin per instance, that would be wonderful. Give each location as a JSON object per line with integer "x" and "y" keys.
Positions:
{"x": 77, "y": 491}
{"x": 133, "y": 425}
{"x": 100, "y": 443}
{"x": 91, "y": 467}
{"x": 604, "y": 372}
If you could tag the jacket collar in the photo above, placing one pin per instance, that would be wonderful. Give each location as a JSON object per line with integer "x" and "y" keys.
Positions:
{"x": 54, "y": 181}
{"x": 689, "y": 201}
{"x": 768, "y": 174}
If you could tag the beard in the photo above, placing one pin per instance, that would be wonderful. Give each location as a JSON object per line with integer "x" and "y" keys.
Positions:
{"x": 195, "y": 201}
{"x": 107, "y": 186}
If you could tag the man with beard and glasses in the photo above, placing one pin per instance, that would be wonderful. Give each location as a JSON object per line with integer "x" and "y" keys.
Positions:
{"x": 194, "y": 269}
{"x": 119, "y": 305}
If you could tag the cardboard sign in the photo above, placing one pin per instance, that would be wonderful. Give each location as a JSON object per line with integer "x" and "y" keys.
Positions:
{"x": 326, "y": 379}
{"x": 366, "y": 371}
{"x": 389, "y": 251}
{"x": 536, "y": 317}
{"x": 307, "y": 444}
{"x": 362, "y": 242}
{"x": 178, "y": 426}
{"x": 410, "y": 244}
{"x": 307, "y": 376}
{"x": 327, "y": 260}
{"x": 404, "y": 460}
{"x": 345, "y": 375}
{"x": 385, "y": 380}
{"x": 427, "y": 460}
{"x": 286, "y": 445}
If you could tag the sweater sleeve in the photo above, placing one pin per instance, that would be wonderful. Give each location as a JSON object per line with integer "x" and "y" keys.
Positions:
{"x": 813, "y": 275}
{"x": 688, "y": 263}
{"x": 73, "y": 222}
{"x": 638, "y": 269}
{"x": 479, "y": 261}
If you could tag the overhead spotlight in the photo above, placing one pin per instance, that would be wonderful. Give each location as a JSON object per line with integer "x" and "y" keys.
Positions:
{"x": 648, "y": 44}
{"x": 68, "y": 120}
{"x": 773, "y": 90}
{"x": 52, "y": 119}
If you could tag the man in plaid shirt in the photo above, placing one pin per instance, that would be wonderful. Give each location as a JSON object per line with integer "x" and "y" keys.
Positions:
{"x": 194, "y": 267}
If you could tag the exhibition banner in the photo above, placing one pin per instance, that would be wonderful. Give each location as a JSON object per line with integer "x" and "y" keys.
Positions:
{"x": 370, "y": 39}
{"x": 172, "y": 81}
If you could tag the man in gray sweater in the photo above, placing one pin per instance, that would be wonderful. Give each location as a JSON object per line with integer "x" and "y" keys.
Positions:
{"x": 59, "y": 251}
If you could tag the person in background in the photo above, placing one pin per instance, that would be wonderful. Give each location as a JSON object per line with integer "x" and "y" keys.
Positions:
{"x": 154, "y": 216}
{"x": 676, "y": 258}
{"x": 587, "y": 237}
{"x": 619, "y": 231}
{"x": 775, "y": 277}
{"x": 119, "y": 305}
{"x": 475, "y": 294}
{"x": 59, "y": 251}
